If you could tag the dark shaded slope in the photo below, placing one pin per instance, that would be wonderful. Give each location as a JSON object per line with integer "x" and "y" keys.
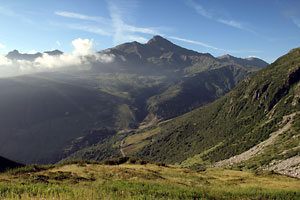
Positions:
{"x": 40, "y": 114}
{"x": 190, "y": 93}
{"x": 8, "y": 164}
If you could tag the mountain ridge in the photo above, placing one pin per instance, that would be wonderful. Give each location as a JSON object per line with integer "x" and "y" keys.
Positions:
{"x": 162, "y": 52}
{"x": 250, "y": 61}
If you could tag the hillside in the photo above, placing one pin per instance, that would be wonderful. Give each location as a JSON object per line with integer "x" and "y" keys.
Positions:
{"x": 137, "y": 179}
{"x": 257, "y": 108}
{"x": 63, "y": 111}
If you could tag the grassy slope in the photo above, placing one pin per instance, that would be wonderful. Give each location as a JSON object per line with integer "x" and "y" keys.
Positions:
{"x": 147, "y": 181}
{"x": 238, "y": 121}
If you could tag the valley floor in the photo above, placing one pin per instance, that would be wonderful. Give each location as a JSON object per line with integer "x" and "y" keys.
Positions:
{"x": 142, "y": 181}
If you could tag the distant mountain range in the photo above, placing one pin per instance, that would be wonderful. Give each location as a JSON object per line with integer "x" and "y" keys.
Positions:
{"x": 47, "y": 116}
{"x": 251, "y": 61}
{"x": 16, "y": 55}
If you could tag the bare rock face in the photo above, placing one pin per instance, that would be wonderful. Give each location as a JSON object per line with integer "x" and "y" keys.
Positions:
{"x": 289, "y": 167}
{"x": 293, "y": 77}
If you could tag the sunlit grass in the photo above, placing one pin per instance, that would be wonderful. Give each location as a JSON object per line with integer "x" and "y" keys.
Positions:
{"x": 149, "y": 181}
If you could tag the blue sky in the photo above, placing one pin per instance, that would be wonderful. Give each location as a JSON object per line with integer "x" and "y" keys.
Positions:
{"x": 263, "y": 28}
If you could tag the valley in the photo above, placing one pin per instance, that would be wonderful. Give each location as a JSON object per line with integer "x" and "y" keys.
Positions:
{"x": 73, "y": 109}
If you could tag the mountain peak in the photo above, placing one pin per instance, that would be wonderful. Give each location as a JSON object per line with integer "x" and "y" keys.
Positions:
{"x": 159, "y": 41}
{"x": 55, "y": 52}
{"x": 14, "y": 52}
{"x": 157, "y": 38}
{"x": 162, "y": 44}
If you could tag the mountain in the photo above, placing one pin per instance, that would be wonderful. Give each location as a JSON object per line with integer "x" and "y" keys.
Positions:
{"x": 64, "y": 111}
{"x": 251, "y": 61}
{"x": 54, "y": 52}
{"x": 160, "y": 54}
{"x": 8, "y": 164}
{"x": 16, "y": 55}
{"x": 190, "y": 77}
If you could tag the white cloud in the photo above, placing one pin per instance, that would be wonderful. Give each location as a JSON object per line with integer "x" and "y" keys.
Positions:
{"x": 199, "y": 9}
{"x": 213, "y": 47}
{"x": 32, "y": 52}
{"x": 134, "y": 29}
{"x": 113, "y": 26}
{"x": 7, "y": 11}
{"x": 104, "y": 58}
{"x": 51, "y": 62}
{"x": 232, "y": 23}
{"x": 2, "y": 46}
{"x": 236, "y": 24}
{"x": 58, "y": 43}
{"x": 296, "y": 21}
{"x": 124, "y": 32}
{"x": 80, "y": 16}
{"x": 90, "y": 29}
{"x": 194, "y": 42}
{"x": 4, "y": 61}
{"x": 82, "y": 57}
{"x": 82, "y": 47}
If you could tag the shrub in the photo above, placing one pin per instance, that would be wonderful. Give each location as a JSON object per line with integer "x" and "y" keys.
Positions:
{"x": 30, "y": 169}
{"x": 77, "y": 162}
{"x": 116, "y": 161}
